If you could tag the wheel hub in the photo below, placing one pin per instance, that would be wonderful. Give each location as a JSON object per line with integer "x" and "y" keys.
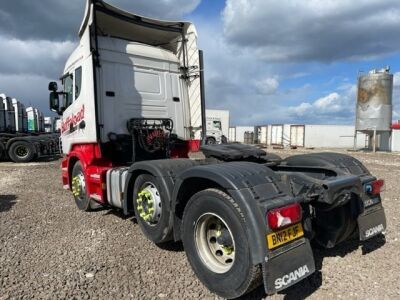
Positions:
{"x": 21, "y": 151}
{"x": 149, "y": 204}
{"x": 215, "y": 243}
{"x": 78, "y": 185}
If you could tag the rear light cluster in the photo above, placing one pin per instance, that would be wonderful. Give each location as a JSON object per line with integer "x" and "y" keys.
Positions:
{"x": 284, "y": 216}
{"x": 375, "y": 187}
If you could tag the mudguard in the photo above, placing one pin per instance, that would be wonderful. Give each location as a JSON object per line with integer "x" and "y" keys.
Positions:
{"x": 251, "y": 185}
{"x": 28, "y": 139}
{"x": 165, "y": 169}
{"x": 341, "y": 163}
{"x": 256, "y": 189}
{"x": 372, "y": 220}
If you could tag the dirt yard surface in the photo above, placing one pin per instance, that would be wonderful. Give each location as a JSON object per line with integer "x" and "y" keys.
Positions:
{"x": 49, "y": 249}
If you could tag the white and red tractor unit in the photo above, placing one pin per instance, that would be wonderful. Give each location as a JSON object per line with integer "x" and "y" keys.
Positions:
{"x": 132, "y": 107}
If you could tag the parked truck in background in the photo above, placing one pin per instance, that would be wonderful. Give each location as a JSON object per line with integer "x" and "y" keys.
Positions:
{"x": 133, "y": 94}
{"x": 52, "y": 124}
{"x": 22, "y": 134}
{"x": 214, "y": 131}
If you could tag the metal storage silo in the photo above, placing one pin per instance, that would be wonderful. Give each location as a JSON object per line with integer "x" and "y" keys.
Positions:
{"x": 374, "y": 101}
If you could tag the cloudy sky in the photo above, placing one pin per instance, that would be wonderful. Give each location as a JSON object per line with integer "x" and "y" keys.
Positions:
{"x": 267, "y": 61}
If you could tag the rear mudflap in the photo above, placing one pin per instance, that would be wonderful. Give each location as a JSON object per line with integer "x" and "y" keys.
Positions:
{"x": 371, "y": 222}
{"x": 288, "y": 265}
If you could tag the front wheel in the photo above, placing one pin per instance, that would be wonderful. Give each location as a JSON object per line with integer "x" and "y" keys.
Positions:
{"x": 211, "y": 141}
{"x": 216, "y": 244}
{"x": 79, "y": 189}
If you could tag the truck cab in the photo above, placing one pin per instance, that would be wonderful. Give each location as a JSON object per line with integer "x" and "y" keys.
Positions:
{"x": 131, "y": 88}
{"x": 214, "y": 131}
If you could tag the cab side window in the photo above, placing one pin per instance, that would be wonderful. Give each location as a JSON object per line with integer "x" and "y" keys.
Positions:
{"x": 78, "y": 82}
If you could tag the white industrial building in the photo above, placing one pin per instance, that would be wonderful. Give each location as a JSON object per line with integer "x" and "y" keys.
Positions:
{"x": 222, "y": 115}
{"x": 310, "y": 136}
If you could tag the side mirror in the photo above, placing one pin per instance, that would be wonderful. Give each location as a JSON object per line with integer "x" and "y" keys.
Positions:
{"x": 55, "y": 102}
{"x": 53, "y": 86}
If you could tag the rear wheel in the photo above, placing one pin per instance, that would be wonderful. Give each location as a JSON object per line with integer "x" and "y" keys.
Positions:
{"x": 211, "y": 141}
{"x": 152, "y": 209}
{"x": 78, "y": 186}
{"x": 216, "y": 244}
{"x": 21, "y": 151}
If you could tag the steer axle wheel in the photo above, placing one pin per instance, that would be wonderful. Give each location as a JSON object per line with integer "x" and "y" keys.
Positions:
{"x": 78, "y": 187}
{"x": 151, "y": 205}
{"x": 210, "y": 141}
{"x": 216, "y": 244}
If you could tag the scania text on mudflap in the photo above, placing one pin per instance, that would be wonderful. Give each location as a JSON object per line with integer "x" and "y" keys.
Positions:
{"x": 133, "y": 108}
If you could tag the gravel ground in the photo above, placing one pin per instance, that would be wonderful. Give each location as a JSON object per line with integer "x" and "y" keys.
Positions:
{"x": 49, "y": 249}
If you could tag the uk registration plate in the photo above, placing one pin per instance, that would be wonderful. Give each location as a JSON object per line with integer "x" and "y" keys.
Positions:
{"x": 284, "y": 236}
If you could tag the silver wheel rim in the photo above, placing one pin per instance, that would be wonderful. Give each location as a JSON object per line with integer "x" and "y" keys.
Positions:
{"x": 149, "y": 204}
{"x": 214, "y": 243}
{"x": 79, "y": 186}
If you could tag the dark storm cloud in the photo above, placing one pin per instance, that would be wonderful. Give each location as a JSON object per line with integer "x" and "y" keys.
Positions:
{"x": 60, "y": 20}
{"x": 314, "y": 30}
{"x": 40, "y": 57}
{"x": 44, "y": 19}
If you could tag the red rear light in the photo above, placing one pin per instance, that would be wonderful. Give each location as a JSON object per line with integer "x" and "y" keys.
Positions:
{"x": 283, "y": 216}
{"x": 377, "y": 186}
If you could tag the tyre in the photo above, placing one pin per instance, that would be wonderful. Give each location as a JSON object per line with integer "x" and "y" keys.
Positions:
{"x": 152, "y": 208}
{"x": 78, "y": 187}
{"x": 216, "y": 244}
{"x": 224, "y": 140}
{"x": 2, "y": 152}
{"x": 21, "y": 151}
{"x": 210, "y": 141}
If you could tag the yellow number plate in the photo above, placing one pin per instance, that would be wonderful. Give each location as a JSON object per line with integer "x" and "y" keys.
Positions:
{"x": 284, "y": 236}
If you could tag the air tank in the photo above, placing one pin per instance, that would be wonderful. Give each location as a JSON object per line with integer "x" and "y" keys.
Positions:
{"x": 374, "y": 101}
